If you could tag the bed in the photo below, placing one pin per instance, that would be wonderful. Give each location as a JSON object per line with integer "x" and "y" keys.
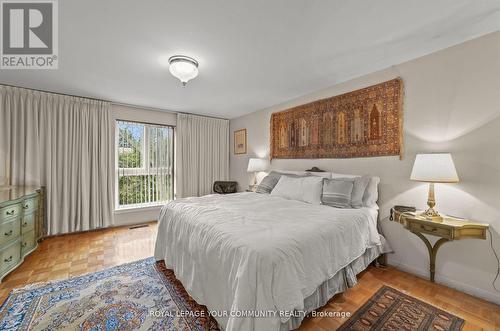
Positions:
{"x": 262, "y": 262}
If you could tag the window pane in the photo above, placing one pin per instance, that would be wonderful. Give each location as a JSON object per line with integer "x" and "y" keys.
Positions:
{"x": 145, "y": 177}
{"x": 130, "y": 142}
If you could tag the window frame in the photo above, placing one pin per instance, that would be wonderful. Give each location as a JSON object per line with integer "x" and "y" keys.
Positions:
{"x": 145, "y": 167}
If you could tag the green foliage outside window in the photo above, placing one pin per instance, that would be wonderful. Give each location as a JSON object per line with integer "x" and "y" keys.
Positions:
{"x": 130, "y": 143}
{"x": 140, "y": 189}
{"x": 144, "y": 176}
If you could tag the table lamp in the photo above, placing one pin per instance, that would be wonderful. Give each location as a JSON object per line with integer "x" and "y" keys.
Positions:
{"x": 256, "y": 165}
{"x": 434, "y": 168}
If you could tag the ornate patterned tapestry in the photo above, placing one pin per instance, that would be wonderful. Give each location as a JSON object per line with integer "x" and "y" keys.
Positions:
{"x": 362, "y": 123}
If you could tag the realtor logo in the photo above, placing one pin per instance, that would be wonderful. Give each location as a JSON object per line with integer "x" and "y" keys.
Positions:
{"x": 29, "y": 34}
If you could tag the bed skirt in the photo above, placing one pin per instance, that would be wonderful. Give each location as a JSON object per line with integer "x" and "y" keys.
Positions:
{"x": 339, "y": 283}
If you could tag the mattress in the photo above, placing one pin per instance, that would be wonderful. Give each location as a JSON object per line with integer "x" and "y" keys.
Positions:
{"x": 245, "y": 255}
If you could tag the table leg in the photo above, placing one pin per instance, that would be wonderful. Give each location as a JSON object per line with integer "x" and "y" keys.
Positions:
{"x": 432, "y": 252}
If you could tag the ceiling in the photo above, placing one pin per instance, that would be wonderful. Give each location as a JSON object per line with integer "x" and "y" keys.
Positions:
{"x": 252, "y": 54}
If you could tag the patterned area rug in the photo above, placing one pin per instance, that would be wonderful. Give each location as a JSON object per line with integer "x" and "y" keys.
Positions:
{"x": 140, "y": 295}
{"x": 390, "y": 309}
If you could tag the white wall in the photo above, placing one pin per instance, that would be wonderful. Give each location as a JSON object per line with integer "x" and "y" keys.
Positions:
{"x": 451, "y": 104}
{"x": 120, "y": 112}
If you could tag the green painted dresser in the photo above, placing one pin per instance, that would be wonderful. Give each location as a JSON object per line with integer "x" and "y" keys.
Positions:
{"x": 21, "y": 224}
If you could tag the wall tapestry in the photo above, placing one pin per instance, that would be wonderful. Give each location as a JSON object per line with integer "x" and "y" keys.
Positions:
{"x": 362, "y": 123}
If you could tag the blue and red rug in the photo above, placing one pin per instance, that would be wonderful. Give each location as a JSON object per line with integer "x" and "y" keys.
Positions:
{"x": 139, "y": 295}
{"x": 145, "y": 295}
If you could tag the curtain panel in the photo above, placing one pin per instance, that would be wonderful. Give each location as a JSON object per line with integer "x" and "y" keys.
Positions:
{"x": 202, "y": 154}
{"x": 66, "y": 144}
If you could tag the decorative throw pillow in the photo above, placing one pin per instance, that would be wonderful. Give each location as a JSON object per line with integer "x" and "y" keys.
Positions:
{"x": 370, "y": 196}
{"x": 358, "y": 190}
{"x": 337, "y": 192}
{"x": 269, "y": 182}
{"x": 307, "y": 189}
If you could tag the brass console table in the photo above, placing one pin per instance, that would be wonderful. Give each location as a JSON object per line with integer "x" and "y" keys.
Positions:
{"x": 448, "y": 229}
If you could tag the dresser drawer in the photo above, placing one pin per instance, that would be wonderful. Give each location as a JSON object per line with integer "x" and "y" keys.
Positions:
{"x": 28, "y": 242}
{"x": 30, "y": 204}
{"x": 431, "y": 229}
{"x": 10, "y": 211}
{"x": 9, "y": 230}
{"x": 28, "y": 223}
{"x": 10, "y": 255}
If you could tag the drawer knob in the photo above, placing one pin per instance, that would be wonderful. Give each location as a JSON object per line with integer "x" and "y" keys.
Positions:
{"x": 8, "y": 233}
{"x": 8, "y": 260}
{"x": 26, "y": 206}
{"x": 24, "y": 244}
{"x": 10, "y": 212}
{"x": 25, "y": 224}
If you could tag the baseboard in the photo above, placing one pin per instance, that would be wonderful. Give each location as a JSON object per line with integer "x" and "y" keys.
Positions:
{"x": 490, "y": 296}
{"x": 136, "y": 216}
{"x": 131, "y": 222}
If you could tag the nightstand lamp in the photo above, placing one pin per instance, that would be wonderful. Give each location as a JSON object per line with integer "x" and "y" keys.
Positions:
{"x": 255, "y": 166}
{"x": 434, "y": 168}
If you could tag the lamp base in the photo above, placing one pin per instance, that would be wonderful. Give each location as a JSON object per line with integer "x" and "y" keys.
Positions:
{"x": 431, "y": 213}
{"x": 253, "y": 179}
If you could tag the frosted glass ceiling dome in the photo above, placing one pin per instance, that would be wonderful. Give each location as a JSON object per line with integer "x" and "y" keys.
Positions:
{"x": 183, "y": 67}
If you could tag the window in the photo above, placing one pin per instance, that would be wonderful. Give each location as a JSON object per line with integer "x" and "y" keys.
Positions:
{"x": 144, "y": 166}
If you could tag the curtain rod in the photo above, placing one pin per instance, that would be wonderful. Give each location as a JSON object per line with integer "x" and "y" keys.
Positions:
{"x": 218, "y": 118}
{"x": 58, "y": 93}
{"x": 165, "y": 110}
{"x": 114, "y": 103}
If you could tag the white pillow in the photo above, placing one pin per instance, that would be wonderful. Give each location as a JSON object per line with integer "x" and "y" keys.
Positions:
{"x": 306, "y": 173}
{"x": 292, "y": 172}
{"x": 307, "y": 189}
{"x": 371, "y": 193}
{"x": 325, "y": 174}
{"x": 335, "y": 175}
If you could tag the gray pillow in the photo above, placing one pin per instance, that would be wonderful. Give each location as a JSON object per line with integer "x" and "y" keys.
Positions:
{"x": 269, "y": 182}
{"x": 337, "y": 192}
{"x": 358, "y": 190}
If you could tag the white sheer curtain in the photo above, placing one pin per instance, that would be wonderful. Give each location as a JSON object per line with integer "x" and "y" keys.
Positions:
{"x": 66, "y": 144}
{"x": 202, "y": 154}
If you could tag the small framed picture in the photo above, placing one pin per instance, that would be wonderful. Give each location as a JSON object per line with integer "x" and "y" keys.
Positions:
{"x": 240, "y": 141}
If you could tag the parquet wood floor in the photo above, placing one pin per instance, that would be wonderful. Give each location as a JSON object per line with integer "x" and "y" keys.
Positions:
{"x": 71, "y": 255}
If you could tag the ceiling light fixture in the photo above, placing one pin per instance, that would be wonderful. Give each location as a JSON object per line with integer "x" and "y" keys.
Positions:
{"x": 183, "y": 67}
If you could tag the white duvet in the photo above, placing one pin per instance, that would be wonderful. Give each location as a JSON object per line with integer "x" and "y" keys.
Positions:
{"x": 250, "y": 252}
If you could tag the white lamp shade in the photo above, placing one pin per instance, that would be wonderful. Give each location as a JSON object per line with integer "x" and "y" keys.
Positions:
{"x": 434, "y": 168}
{"x": 255, "y": 165}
